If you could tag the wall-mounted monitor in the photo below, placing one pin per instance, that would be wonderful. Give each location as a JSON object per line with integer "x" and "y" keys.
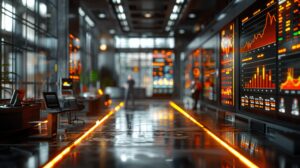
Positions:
{"x": 227, "y": 65}
{"x": 258, "y": 58}
{"x": 67, "y": 84}
{"x": 209, "y": 58}
{"x": 288, "y": 58}
{"x": 16, "y": 98}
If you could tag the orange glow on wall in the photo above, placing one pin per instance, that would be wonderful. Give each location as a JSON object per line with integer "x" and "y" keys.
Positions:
{"x": 74, "y": 61}
{"x": 233, "y": 151}
{"x": 196, "y": 72}
{"x": 68, "y": 149}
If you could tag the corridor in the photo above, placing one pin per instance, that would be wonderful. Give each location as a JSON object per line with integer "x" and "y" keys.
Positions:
{"x": 156, "y": 135}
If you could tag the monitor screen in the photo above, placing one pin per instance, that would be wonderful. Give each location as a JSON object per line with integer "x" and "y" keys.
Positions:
{"x": 51, "y": 99}
{"x": 13, "y": 97}
{"x": 16, "y": 98}
{"x": 67, "y": 83}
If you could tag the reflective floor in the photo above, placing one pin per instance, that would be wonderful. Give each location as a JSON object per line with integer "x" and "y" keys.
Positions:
{"x": 150, "y": 135}
{"x": 24, "y": 152}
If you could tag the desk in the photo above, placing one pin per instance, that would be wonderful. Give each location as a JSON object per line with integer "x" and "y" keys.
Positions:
{"x": 53, "y": 121}
{"x": 18, "y": 118}
{"x": 95, "y": 106}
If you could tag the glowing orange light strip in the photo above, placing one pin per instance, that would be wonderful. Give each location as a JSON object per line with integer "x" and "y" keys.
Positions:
{"x": 242, "y": 158}
{"x": 68, "y": 149}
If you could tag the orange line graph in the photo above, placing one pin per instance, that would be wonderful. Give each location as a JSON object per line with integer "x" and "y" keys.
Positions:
{"x": 291, "y": 83}
{"x": 267, "y": 36}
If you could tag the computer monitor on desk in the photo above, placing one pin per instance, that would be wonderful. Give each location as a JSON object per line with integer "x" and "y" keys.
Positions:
{"x": 15, "y": 99}
{"x": 51, "y": 100}
{"x": 67, "y": 84}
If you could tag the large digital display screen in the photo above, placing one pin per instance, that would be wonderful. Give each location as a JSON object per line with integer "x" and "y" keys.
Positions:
{"x": 208, "y": 54}
{"x": 258, "y": 56}
{"x": 227, "y": 65}
{"x": 196, "y": 64}
{"x": 163, "y": 72}
{"x": 288, "y": 57}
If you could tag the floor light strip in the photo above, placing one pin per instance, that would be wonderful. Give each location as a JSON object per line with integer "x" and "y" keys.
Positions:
{"x": 67, "y": 149}
{"x": 242, "y": 158}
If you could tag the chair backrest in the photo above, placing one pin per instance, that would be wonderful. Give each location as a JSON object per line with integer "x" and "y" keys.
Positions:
{"x": 69, "y": 103}
{"x": 51, "y": 100}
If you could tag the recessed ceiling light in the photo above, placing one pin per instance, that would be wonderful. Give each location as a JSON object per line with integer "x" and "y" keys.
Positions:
{"x": 174, "y": 16}
{"x": 179, "y": 1}
{"x": 124, "y": 23}
{"x": 122, "y": 16}
{"x": 148, "y": 15}
{"x": 221, "y": 16}
{"x": 102, "y": 15}
{"x": 103, "y": 47}
{"x": 126, "y": 28}
{"x": 116, "y": 1}
{"x": 170, "y": 23}
{"x": 197, "y": 28}
{"x": 181, "y": 31}
{"x": 120, "y": 9}
{"x": 237, "y": 1}
{"x": 81, "y": 12}
{"x": 112, "y": 31}
{"x": 176, "y": 9}
{"x": 192, "y": 15}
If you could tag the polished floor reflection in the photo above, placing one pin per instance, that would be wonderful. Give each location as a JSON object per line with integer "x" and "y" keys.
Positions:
{"x": 24, "y": 152}
{"x": 150, "y": 136}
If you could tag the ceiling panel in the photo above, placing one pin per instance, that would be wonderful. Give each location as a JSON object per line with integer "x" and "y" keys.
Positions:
{"x": 158, "y": 12}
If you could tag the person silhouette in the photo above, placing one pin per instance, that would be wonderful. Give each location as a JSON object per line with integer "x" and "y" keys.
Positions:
{"x": 130, "y": 91}
{"x": 196, "y": 90}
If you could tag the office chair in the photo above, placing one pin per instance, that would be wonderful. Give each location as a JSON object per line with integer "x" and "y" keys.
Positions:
{"x": 76, "y": 106}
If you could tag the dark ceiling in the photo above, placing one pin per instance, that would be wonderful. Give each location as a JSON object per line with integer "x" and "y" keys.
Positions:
{"x": 204, "y": 11}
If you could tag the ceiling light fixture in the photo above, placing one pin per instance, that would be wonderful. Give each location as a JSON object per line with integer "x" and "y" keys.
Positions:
{"x": 120, "y": 9}
{"x": 221, "y": 16}
{"x": 192, "y": 15}
{"x": 179, "y": 1}
{"x": 81, "y": 12}
{"x": 237, "y": 1}
{"x": 122, "y": 16}
{"x": 103, "y": 47}
{"x": 120, "y": 13}
{"x": 181, "y": 31}
{"x": 112, "y": 31}
{"x": 148, "y": 15}
{"x": 102, "y": 15}
{"x": 116, "y": 1}
{"x": 170, "y": 23}
{"x": 174, "y": 16}
{"x": 197, "y": 28}
{"x": 89, "y": 21}
{"x": 176, "y": 9}
{"x": 124, "y": 23}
